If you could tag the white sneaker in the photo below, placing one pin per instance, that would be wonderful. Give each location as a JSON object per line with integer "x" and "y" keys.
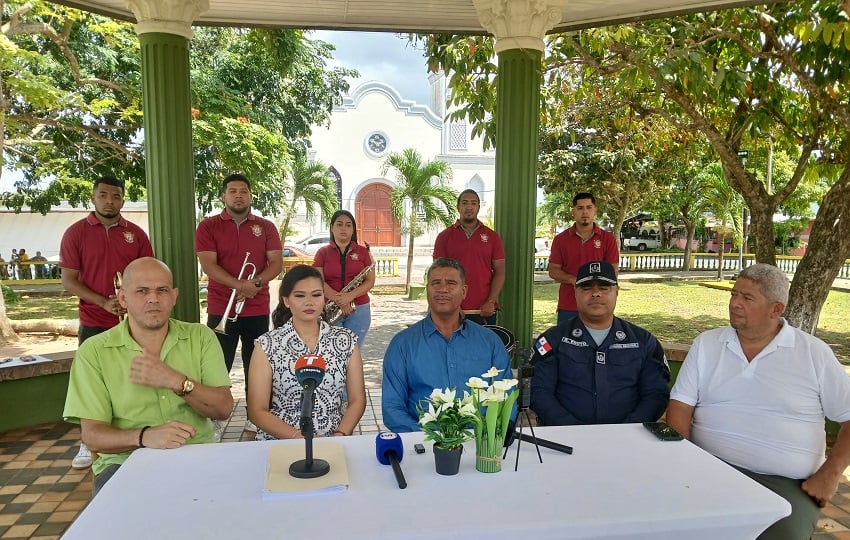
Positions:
{"x": 83, "y": 458}
{"x": 249, "y": 426}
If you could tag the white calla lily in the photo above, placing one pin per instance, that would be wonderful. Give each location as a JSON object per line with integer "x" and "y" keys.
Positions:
{"x": 492, "y": 372}
{"x": 505, "y": 384}
{"x": 477, "y": 383}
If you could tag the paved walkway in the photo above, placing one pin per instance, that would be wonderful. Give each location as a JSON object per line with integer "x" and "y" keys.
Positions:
{"x": 40, "y": 495}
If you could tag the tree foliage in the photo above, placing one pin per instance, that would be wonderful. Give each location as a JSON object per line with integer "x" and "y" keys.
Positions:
{"x": 70, "y": 103}
{"x": 313, "y": 186}
{"x": 70, "y": 96}
{"x": 735, "y": 78}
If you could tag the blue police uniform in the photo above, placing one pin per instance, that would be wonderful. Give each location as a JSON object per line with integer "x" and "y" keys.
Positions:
{"x": 623, "y": 380}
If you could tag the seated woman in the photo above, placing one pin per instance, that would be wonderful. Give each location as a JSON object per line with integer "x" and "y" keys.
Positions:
{"x": 274, "y": 395}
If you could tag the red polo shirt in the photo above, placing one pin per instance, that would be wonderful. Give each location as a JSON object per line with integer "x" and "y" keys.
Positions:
{"x": 230, "y": 241}
{"x": 570, "y": 251}
{"x": 476, "y": 254}
{"x": 329, "y": 259}
{"x": 98, "y": 252}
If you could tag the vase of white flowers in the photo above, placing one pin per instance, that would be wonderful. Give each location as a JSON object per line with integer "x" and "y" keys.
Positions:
{"x": 493, "y": 405}
{"x": 446, "y": 419}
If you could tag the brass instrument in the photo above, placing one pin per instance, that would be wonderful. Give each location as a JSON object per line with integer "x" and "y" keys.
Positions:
{"x": 117, "y": 279}
{"x": 332, "y": 311}
{"x": 241, "y": 303}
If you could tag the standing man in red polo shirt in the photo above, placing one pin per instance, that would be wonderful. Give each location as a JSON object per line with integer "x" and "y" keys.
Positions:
{"x": 480, "y": 251}
{"x": 221, "y": 242}
{"x": 585, "y": 241}
{"x": 92, "y": 252}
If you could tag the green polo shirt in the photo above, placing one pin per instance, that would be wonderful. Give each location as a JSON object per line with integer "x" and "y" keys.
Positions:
{"x": 100, "y": 387}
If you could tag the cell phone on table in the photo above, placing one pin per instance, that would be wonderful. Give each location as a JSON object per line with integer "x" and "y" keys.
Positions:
{"x": 420, "y": 449}
{"x": 663, "y": 431}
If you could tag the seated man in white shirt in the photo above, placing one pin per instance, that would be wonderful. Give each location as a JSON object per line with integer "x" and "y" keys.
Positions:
{"x": 755, "y": 394}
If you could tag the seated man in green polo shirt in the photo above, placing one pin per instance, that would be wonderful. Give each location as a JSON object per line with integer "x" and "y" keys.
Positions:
{"x": 151, "y": 381}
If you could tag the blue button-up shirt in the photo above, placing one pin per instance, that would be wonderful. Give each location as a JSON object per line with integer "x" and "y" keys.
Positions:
{"x": 419, "y": 359}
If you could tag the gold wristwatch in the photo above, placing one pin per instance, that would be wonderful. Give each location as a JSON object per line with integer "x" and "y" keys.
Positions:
{"x": 187, "y": 387}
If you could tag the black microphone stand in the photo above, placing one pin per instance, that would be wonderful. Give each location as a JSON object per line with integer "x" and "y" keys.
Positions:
{"x": 308, "y": 467}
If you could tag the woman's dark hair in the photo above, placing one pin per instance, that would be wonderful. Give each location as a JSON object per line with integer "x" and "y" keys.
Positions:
{"x": 347, "y": 214}
{"x": 292, "y": 276}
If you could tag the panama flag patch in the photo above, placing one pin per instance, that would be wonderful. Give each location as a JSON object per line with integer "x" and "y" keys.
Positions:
{"x": 543, "y": 347}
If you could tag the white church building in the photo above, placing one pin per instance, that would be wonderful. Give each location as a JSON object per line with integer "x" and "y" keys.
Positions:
{"x": 375, "y": 120}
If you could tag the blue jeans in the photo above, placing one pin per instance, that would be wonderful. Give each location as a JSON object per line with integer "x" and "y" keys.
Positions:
{"x": 565, "y": 315}
{"x": 358, "y": 322}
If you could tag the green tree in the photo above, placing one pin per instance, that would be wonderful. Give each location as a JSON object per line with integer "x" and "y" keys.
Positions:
{"x": 736, "y": 78}
{"x": 314, "y": 186}
{"x": 70, "y": 105}
{"x": 421, "y": 198}
{"x": 254, "y": 93}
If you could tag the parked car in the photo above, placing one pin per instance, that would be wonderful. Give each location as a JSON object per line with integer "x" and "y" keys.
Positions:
{"x": 312, "y": 243}
{"x": 293, "y": 255}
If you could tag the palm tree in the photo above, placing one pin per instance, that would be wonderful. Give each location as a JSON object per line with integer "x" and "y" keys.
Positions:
{"x": 312, "y": 183}
{"x": 725, "y": 203}
{"x": 423, "y": 189}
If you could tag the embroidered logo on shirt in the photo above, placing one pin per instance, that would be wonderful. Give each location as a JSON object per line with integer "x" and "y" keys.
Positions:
{"x": 129, "y": 237}
{"x": 543, "y": 346}
{"x": 597, "y": 243}
{"x": 355, "y": 257}
{"x": 576, "y": 332}
{"x": 620, "y": 335}
{"x": 257, "y": 230}
{"x": 600, "y": 357}
{"x": 573, "y": 342}
{"x": 485, "y": 238}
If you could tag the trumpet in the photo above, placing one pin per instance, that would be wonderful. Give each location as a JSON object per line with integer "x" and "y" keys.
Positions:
{"x": 241, "y": 303}
{"x": 116, "y": 282}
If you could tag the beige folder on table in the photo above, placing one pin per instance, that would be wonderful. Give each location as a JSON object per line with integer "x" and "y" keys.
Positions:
{"x": 279, "y": 483}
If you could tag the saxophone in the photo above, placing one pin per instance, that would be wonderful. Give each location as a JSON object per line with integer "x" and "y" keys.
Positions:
{"x": 332, "y": 311}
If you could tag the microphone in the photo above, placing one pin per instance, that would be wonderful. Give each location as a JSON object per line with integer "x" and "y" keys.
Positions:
{"x": 390, "y": 451}
{"x": 309, "y": 371}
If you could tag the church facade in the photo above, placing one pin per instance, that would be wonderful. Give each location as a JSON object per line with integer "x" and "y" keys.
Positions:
{"x": 373, "y": 121}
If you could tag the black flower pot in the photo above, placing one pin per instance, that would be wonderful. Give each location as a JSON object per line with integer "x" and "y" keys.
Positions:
{"x": 447, "y": 460}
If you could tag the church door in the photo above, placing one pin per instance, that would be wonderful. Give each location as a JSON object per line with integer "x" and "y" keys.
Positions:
{"x": 375, "y": 222}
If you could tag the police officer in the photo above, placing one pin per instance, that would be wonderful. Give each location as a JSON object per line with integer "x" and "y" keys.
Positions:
{"x": 597, "y": 368}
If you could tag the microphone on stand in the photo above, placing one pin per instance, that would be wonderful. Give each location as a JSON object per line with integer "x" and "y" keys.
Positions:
{"x": 309, "y": 371}
{"x": 390, "y": 451}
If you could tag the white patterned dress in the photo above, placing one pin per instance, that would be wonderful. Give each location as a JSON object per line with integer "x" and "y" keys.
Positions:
{"x": 283, "y": 347}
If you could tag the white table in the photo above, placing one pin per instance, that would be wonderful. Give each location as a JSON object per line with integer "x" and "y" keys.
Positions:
{"x": 619, "y": 483}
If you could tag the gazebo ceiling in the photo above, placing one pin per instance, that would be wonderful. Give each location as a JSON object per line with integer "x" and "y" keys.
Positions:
{"x": 429, "y": 16}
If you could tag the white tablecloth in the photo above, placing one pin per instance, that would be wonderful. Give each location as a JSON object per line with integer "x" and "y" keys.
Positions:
{"x": 620, "y": 482}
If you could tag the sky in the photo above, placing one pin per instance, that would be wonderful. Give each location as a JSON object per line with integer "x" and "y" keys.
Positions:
{"x": 381, "y": 56}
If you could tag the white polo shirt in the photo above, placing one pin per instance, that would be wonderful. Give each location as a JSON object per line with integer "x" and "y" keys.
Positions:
{"x": 766, "y": 415}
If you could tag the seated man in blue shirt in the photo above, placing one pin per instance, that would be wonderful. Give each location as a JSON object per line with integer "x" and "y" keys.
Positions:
{"x": 597, "y": 368}
{"x": 443, "y": 350}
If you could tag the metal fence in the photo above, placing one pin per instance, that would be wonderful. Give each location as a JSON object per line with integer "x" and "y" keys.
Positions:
{"x": 668, "y": 262}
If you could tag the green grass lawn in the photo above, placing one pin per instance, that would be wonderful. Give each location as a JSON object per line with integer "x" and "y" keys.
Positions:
{"x": 675, "y": 311}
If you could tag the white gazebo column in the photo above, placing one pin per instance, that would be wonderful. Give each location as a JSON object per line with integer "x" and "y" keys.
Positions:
{"x": 164, "y": 29}
{"x": 519, "y": 27}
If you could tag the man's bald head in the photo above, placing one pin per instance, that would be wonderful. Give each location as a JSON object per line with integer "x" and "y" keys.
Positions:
{"x": 146, "y": 266}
